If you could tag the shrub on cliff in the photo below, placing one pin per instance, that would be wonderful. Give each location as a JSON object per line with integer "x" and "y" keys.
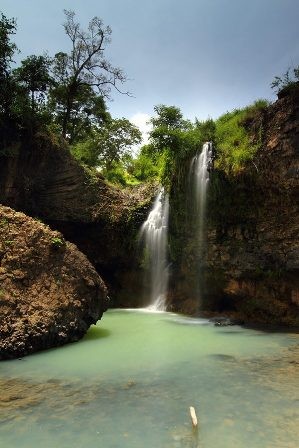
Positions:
{"x": 235, "y": 146}
{"x": 287, "y": 81}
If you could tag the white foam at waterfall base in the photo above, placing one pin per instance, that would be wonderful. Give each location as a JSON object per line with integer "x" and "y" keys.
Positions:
{"x": 154, "y": 234}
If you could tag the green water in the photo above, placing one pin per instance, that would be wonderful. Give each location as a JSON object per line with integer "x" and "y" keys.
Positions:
{"x": 129, "y": 383}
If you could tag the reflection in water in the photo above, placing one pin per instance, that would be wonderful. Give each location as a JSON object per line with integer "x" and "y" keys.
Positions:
{"x": 133, "y": 388}
{"x": 96, "y": 333}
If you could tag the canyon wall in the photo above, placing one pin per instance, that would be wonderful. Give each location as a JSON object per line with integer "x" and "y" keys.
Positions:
{"x": 250, "y": 266}
{"x": 43, "y": 180}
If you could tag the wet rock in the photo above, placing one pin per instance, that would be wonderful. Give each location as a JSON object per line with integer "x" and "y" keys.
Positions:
{"x": 222, "y": 321}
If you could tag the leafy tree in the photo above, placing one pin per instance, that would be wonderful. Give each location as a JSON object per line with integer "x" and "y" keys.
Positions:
{"x": 83, "y": 72}
{"x": 174, "y": 137}
{"x": 7, "y": 50}
{"x": 108, "y": 144}
{"x": 33, "y": 75}
{"x": 168, "y": 125}
{"x": 207, "y": 129}
{"x": 147, "y": 165}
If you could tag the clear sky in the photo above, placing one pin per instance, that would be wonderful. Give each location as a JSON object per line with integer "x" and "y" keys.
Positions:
{"x": 204, "y": 56}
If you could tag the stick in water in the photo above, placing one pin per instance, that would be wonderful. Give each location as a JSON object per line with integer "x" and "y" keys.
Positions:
{"x": 193, "y": 416}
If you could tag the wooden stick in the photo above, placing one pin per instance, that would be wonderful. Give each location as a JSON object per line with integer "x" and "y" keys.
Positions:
{"x": 193, "y": 416}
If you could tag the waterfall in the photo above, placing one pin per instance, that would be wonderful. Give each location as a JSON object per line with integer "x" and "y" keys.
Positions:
{"x": 200, "y": 168}
{"x": 154, "y": 233}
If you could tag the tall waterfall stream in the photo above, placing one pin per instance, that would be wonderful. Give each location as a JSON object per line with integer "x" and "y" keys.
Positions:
{"x": 199, "y": 175}
{"x": 154, "y": 233}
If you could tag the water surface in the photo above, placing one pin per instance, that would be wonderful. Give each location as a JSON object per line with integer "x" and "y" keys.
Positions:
{"x": 129, "y": 384}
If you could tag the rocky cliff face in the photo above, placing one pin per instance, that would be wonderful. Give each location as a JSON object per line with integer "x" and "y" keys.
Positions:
{"x": 43, "y": 180}
{"x": 250, "y": 268}
{"x": 49, "y": 293}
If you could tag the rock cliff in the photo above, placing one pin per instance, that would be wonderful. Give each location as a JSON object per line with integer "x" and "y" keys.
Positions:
{"x": 250, "y": 268}
{"x": 250, "y": 265}
{"x": 43, "y": 180}
{"x": 49, "y": 293}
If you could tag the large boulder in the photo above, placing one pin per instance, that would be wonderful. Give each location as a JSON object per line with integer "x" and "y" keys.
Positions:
{"x": 49, "y": 292}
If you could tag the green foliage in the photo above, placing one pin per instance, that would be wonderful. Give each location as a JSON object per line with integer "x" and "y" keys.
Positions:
{"x": 7, "y": 50}
{"x": 177, "y": 140}
{"x": 107, "y": 145}
{"x": 147, "y": 165}
{"x": 85, "y": 152}
{"x": 286, "y": 81}
{"x": 119, "y": 175}
{"x": 114, "y": 141}
{"x": 235, "y": 146}
{"x": 4, "y": 222}
{"x": 34, "y": 75}
{"x": 168, "y": 126}
{"x": 57, "y": 242}
{"x": 207, "y": 129}
{"x": 8, "y": 88}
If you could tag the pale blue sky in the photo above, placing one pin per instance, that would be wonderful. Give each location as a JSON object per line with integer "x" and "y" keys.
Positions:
{"x": 205, "y": 56}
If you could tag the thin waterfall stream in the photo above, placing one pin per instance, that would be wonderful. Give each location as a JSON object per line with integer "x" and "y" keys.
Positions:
{"x": 154, "y": 234}
{"x": 199, "y": 176}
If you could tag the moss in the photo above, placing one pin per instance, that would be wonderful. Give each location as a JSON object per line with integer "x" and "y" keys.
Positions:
{"x": 57, "y": 242}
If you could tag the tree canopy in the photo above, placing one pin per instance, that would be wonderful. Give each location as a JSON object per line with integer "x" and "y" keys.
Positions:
{"x": 7, "y": 50}
{"x": 108, "y": 144}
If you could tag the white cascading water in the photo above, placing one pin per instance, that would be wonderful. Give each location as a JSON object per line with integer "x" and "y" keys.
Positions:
{"x": 154, "y": 233}
{"x": 200, "y": 168}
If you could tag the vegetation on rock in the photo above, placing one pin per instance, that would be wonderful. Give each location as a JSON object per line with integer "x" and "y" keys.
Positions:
{"x": 284, "y": 83}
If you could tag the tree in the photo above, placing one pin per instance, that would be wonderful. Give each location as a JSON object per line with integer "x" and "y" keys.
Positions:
{"x": 207, "y": 129}
{"x": 33, "y": 75}
{"x": 115, "y": 140}
{"x": 169, "y": 117}
{"x": 7, "y": 50}
{"x": 34, "y": 78}
{"x": 147, "y": 165}
{"x": 175, "y": 138}
{"x": 84, "y": 71}
{"x": 108, "y": 144}
{"x": 168, "y": 126}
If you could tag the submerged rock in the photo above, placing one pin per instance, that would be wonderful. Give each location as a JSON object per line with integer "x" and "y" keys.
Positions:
{"x": 49, "y": 292}
{"x": 223, "y": 321}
